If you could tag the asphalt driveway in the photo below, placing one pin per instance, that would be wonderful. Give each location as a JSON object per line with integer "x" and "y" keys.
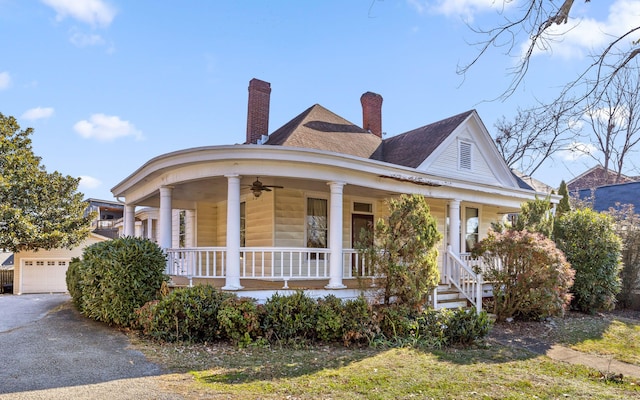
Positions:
{"x": 49, "y": 351}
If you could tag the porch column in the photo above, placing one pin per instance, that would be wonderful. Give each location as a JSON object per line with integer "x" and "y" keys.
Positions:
{"x": 164, "y": 230}
{"x": 129, "y": 219}
{"x": 150, "y": 228}
{"x": 454, "y": 225}
{"x": 232, "y": 280}
{"x": 335, "y": 236}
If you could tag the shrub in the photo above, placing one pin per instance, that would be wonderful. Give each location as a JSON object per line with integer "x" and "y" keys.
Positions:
{"x": 74, "y": 282}
{"x": 465, "y": 326}
{"x": 329, "y": 325}
{"x": 185, "y": 314}
{"x": 627, "y": 227}
{"x": 358, "y": 323}
{"x": 532, "y": 278}
{"x": 116, "y": 277}
{"x": 239, "y": 319}
{"x": 290, "y": 319}
{"x": 591, "y": 245}
{"x": 402, "y": 252}
{"x": 398, "y": 322}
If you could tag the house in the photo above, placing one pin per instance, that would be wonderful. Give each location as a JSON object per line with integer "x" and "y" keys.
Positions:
{"x": 595, "y": 177}
{"x": 44, "y": 271}
{"x": 107, "y": 215}
{"x": 284, "y": 210}
{"x": 610, "y": 196}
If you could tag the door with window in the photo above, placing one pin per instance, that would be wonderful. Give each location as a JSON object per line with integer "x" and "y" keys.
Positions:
{"x": 471, "y": 228}
{"x": 360, "y": 222}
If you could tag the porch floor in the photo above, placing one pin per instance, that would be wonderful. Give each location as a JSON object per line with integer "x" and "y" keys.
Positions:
{"x": 269, "y": 284}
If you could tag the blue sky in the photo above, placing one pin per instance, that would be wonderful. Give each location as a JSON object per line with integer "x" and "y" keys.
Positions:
{"x": 109, "y": 84}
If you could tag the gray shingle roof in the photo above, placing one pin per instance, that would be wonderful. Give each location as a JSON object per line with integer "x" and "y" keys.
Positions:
{"x": 319, "y": 128}
{"x": 411, "y": 148}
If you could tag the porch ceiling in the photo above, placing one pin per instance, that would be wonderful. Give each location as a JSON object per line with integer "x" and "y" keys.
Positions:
{"x": 214, "y": 189}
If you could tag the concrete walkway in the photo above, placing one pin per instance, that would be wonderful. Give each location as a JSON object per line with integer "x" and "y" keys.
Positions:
{"x": 606, "y": 365}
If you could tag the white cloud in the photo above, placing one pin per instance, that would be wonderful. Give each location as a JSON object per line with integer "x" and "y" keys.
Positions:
{"x": 81, "y": 39}
{"x": 5, "y": 80}
{"x": 458, "y": 8}
{"x": 89, "y": 182}
{"x": 106, "y": 128}
{"x": 96, "y": 13}
{"x": 38, "y": 113}
{"x": 579, "y": 36}
{"x": 577, "y": 150}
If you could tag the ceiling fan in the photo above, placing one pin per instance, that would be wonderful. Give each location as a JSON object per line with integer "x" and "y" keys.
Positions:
{"x": 257, "y": 187}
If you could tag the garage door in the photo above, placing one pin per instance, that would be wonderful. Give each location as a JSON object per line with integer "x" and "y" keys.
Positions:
{"x": 44, "y": 276}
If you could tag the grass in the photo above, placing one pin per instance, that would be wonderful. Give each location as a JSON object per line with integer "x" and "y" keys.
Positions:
{"x": 605, "y": 335}
{"x": 486, "y": 371}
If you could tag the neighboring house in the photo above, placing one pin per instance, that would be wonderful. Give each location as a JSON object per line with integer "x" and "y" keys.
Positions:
{"x": 596, "y": 177}
{"x": 285, "y": 210}
{"x": 107, "y": 214}
{"x": 610, "y": 196}
{"x": 535, "y": 184}
{"x": 44, "y": 271}
{"x": 6, "y": 260}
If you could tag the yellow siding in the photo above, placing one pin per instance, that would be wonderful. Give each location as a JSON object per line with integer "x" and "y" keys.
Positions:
{"x": 289, "y": 218}
{"x": 488, "y": 215}
{"x": 222, "y": 223}
{"x": 206, "y": 225}
{"x": 259, "y": 220}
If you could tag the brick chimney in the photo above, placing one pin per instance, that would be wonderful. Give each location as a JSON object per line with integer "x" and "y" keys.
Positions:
{"x": 372, "y": 113}
{"x": 258, "y": 110}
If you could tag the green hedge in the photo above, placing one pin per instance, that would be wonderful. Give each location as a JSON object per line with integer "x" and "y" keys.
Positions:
{"x": 115, "y": 278}
{"x": 205, "y": 314}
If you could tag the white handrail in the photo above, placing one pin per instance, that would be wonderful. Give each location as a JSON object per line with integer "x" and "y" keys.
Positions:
{"x": 276, "y": 263}
{"x": 462, "y": 276}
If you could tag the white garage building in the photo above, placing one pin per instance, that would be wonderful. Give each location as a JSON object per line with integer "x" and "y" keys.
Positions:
{"x": 44, "y": 271}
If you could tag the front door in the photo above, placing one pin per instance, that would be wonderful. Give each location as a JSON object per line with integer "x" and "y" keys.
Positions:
{"x": 358, "y": 223}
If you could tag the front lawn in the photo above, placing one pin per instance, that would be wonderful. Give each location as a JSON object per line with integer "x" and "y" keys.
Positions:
{"x": 488, "y": 371}
{"x": 603, "y": 334}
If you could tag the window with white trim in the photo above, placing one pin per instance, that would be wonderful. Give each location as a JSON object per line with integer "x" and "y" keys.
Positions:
{"x": 316, "y": 223}
{"x": 464, "y": 156}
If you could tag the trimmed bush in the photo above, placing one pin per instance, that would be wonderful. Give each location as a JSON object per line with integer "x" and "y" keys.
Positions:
{"x": 116, "y": 277}
{"x": 397, "y": 322}
{"x": 532, "y": 279}
{"x": 359, "y": 327}
{"x": 185, "y": 314}
{"x": 465, "y": 326}
{"x": 290, "y": 319}
{"x": 589, "y": 242}
{"x": 239, "y": 319}
{"x": 329, "y": 326}
{"x": 74, "y": 286}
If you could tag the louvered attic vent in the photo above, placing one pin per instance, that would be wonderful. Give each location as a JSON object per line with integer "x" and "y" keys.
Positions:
{"x": 464, "y": 156}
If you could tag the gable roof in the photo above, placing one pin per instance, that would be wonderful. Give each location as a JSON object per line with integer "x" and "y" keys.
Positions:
{"x": 321, "y": 129}
{"x": 595, "y": 177}
{"x": 411, "y": 148}
{"x": 528, "y": 182}
{"x": 605, "y": 197}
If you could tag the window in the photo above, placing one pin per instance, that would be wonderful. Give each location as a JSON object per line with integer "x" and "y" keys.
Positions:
{"x": 316, "y": 223}
{"x": 464, "y": 156}
{"x": 471, "y": 228}
{"x": 366, "y": 208}
{"x": 243, "y": 224}
{"x": 51, "y": 263}
{"x": 182, "y": 238}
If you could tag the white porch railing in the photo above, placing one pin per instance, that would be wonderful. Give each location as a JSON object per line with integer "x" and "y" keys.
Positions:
{"x": 459, "y": 274}
{"x": 272, "y": 263}
{"x": 481, "y": 264}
